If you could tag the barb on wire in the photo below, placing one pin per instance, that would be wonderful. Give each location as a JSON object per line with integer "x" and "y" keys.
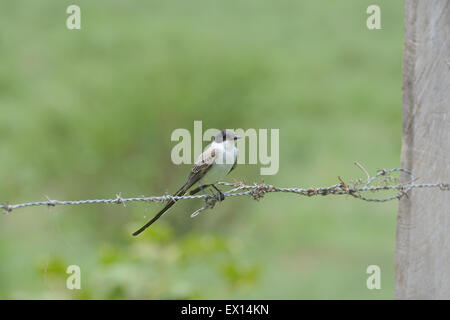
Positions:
{"x": 357, "y": 189}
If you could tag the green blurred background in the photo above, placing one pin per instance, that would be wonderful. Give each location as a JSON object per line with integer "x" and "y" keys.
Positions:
{"x": 89, "y": 113}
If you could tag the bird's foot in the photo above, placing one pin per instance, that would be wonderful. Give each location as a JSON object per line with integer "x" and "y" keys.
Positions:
{"x": 210, "y": 200}
{"x": 220, "y": 194}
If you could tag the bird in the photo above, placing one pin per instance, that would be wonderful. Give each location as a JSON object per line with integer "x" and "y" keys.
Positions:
{"x": 217, "y": 161}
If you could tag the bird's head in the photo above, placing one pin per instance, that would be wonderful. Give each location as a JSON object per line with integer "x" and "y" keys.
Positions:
{"x": 225, "y": 135}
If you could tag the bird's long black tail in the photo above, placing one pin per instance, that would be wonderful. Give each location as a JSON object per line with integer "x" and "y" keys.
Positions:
{"x": 171, "y": 202}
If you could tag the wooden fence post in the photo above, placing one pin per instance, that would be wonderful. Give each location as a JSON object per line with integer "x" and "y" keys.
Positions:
{"x": 423, "y": 223}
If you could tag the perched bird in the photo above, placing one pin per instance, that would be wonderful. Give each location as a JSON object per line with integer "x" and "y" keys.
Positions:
{"x": 218, "y": 160}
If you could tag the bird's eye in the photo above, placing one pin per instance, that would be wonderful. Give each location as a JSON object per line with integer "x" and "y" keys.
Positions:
{"x": 235, "y": 138}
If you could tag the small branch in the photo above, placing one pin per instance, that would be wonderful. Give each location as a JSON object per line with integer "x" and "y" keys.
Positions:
{"x": 363, "y": 169}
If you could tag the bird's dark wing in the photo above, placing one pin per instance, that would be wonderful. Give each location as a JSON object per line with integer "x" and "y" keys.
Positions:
{"x": 200, "y": 168}
{"x": 202, "y": 165}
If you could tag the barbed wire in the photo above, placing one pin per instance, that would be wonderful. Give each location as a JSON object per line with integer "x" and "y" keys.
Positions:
{"x": 256, "y": 191}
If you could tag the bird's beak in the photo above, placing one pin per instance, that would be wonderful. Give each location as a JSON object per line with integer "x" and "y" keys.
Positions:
{"x": 237, "y": 137}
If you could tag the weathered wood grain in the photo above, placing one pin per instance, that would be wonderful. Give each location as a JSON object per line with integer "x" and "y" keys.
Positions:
{"x": 423, "y": 223}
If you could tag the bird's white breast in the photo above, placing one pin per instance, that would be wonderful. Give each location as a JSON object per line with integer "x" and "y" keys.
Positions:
{"x": 226, "y": 155}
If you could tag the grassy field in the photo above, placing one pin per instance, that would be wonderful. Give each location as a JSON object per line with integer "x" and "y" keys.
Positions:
{"x": 89, "y": 113}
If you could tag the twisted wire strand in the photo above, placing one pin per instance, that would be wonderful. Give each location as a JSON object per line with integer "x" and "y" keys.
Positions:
{"x": 258, "y": 191}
